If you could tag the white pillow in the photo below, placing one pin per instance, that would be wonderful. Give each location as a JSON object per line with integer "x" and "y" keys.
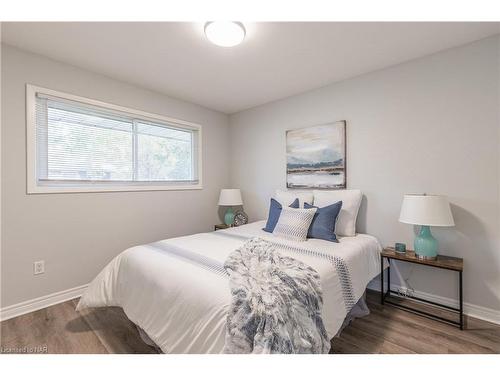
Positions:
{"x": 351, "y": 200}
{"x": 286, "y": 198}
{"x": 294, "y": 223}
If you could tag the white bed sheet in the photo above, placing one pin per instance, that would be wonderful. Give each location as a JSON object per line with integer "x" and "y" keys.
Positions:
{"x": 183, "y": 307}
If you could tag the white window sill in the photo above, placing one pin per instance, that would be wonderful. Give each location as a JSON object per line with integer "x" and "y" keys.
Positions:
{"x": 102, "y": 188}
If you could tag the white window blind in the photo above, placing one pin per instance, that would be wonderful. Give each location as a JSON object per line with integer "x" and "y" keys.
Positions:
{"x": 97, "y": 147}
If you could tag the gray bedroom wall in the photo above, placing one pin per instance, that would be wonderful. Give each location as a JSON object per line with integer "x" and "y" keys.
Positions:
{"x": 429, "y": 125}
{"x": 77, "y": 234}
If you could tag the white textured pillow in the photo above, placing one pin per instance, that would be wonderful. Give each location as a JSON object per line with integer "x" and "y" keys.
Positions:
{"x": 286, "y": 198}
{"x": 294, "y": 223}
{"x": 351, "y": 200}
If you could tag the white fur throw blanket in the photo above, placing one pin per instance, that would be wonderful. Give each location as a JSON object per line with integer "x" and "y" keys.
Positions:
{"x": 276, "y": 303}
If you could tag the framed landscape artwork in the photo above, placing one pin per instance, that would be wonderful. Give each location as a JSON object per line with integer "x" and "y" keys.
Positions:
{"x": 316, "y": 157}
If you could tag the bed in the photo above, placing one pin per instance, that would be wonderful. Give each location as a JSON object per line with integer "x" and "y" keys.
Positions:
{"x": 176, "y": 291}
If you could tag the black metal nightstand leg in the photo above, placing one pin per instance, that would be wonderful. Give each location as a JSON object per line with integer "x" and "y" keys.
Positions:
{"x": 461, "y": 301}
{"x": 388, "y": 278}
{"x": 381, "y": 279}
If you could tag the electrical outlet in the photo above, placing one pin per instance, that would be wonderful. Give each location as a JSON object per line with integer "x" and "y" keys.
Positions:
{"x": 405, "y": 292}
{"x": 38, "y": 267}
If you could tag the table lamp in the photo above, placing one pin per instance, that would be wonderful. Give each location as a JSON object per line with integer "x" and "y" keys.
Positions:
{"x": 426, "y": 210}
{"x": 230, "y": 198}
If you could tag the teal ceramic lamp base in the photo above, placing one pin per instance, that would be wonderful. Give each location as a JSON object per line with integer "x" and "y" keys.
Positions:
{"x": 426, "y": 245}
{"x": 229, "y": 217}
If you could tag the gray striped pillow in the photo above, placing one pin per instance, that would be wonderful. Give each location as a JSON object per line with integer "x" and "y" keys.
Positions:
{"x": 294, "y": 223}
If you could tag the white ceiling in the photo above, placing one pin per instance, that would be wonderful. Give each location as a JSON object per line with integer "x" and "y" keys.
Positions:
{"x": 275, "y": 60}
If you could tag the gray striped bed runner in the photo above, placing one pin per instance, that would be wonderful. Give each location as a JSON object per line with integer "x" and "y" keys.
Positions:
{"x": 216, "y": 267}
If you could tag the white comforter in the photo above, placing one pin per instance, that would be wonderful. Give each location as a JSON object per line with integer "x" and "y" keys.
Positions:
{"x": 182, "y": 306}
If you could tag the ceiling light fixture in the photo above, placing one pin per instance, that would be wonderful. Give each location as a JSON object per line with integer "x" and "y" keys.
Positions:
{"x": 225, "y": 33}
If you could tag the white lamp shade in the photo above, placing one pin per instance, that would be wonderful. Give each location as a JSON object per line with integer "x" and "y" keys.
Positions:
{"x": 432, "y": 210}
{"x": 230, "y": 197}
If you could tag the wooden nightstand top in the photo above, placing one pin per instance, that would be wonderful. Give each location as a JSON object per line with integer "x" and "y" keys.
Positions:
{"x": 442, "y": 261}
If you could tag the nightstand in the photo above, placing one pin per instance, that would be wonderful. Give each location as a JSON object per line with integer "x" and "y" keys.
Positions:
{"x": 221, "y": 226}
{"x": 443, "y": 262}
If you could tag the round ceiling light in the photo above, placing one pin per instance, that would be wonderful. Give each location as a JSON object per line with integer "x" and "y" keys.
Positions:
{"x": 225, "y": 33}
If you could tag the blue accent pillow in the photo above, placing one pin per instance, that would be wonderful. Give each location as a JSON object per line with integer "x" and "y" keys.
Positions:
{"x": 323, "y": 224}
{"x": 274, "y": 213}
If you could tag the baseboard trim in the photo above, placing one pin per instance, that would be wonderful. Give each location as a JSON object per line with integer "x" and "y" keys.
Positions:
{"x": 475, "y": 311}
{"x": 39, "y": 303}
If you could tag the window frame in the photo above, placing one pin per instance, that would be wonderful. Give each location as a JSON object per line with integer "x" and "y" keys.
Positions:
{"x": 77, "y": 186}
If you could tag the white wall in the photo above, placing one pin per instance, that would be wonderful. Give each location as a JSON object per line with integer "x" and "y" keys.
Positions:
{"x": 77, "y": 234}
{"x": 0, "y": 163}
{"x": 429, "y": 125}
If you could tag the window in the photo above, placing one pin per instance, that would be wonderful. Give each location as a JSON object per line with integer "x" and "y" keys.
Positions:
{"x": 78, "y": 144}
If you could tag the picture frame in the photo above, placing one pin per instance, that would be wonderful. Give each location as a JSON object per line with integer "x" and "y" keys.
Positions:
{"x": 316, "y": 156}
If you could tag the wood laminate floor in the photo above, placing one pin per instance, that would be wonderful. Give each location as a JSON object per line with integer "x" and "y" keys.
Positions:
{"x": 60, "y": 329}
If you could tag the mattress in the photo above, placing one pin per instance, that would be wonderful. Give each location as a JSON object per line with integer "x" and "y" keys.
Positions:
{"x": 176, "y": 290}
